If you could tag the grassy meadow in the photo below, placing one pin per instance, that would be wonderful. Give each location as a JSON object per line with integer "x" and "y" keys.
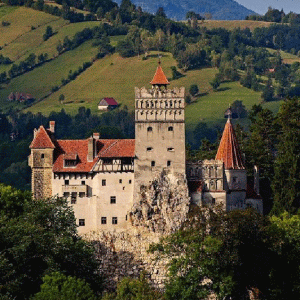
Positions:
{"x": 230, "y": 25}
{"x": 112, "y": 76}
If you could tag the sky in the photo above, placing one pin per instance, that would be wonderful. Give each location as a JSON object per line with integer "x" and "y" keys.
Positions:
{"x": 261, "y": 6}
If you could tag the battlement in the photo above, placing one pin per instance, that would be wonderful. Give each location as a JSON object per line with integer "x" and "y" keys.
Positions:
{"x": 159, "y": 105}
{"x": 143, "y": 93}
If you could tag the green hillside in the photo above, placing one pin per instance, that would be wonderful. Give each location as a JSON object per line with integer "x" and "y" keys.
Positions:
{"x": 112, "y": 76}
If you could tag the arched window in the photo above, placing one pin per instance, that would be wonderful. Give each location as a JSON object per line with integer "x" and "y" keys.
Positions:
{"x": 149, "y": 129}
{"x": 170, "y": 128}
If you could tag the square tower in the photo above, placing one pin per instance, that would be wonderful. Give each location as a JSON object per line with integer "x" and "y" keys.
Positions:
{"x": 159, "y": 131}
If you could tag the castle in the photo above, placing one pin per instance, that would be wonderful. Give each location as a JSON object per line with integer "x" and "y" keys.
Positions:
{"x": 103, "y": 178}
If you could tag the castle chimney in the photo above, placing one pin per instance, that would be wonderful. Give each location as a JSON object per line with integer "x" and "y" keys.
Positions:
{"x": 256, "y": 180}
{"x": 52, "y": 126}
{"x": 91, "y": 143}
{"x": 96, "y": 135}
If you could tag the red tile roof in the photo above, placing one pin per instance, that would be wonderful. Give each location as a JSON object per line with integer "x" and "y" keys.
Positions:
{"x": 229, "y": 151}
{"x": 105, "y": 148}
{"x": 65, "y": 148}
{"x": 159, "y": 77}
{"x": 109, "y": 101}
{"x": 42, "y": 140}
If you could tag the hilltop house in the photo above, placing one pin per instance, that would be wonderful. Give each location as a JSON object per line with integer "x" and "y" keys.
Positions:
{"x": 107, "y": 103}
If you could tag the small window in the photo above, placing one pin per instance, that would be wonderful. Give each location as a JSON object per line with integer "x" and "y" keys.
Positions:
{"x": 107, "y": 161}
{"x": 213, "y": 201}
{"x": 130, "y": 181}
{"x": 149, "y": 129}
{"x": 113, "y": 200}
{"x": 103, "y": 220}
{"x": 66, "y": 182}
{"x": 66, "y": 194}
{"x": 120, "y": 180}
{"x": 42, "y": 155}
{"x": 82, "y": 182}
{"x": 170, "y": 149}
{"x": 114, "y": 220}
{"x": 81, "y": 194}
{"x": 103, "y": 182}
{"x": 168, "y": 163}
{"x": 170, "y": 128}
{"x": 73, "y": 198}
{"x": 81, "y": 222}
{"x": 149, "y": 149}
{"x": 126, "y": 217}
{"x": 152, "y": 163}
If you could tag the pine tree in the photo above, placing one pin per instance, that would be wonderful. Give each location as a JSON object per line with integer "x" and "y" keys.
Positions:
{"x": 286, "y": 182}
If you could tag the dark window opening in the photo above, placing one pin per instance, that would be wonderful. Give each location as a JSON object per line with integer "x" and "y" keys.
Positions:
{"x": 114, "y": 220}
{"x": 81, "y": 222}
{"x": 120, "y": 180}
{"x": 152, "y": 163}
{"x": 107, "y": 161}
{"x": 82, "y": 182}
{"x": 170, "y": 149}
{"x": 149, "y": 129}
{"x": 113, "y": 200}
{"x": 103, "y": 220}
{"x": 103, "y": 182}
{"x": 170, "y": 128}
{"x": 168, "y": 163}
{"x": 73, "y": 198}
{"x": 149, "y": 148}
{"x": 129, "y": 181}
{"x": 66, "y": 182}
{"x": 126, "y": 160}
{"x": 42, "y": 155}
{"x": 66, "y": 194}
{"x": 81, "y": 194}
{"x": 70, "y": 163}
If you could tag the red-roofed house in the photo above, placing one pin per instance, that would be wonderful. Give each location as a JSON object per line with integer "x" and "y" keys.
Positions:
{"x": 107, "y": 103}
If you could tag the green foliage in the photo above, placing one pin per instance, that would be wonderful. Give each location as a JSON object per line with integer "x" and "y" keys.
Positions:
{"x": 268, "y": 91}
{"x": 215, "y": 83}
{"x": 193, "y": 90}
{"x": 134, "y": 289}
{"x": 57, "y": 286}
{"x": 39, "y": 237}
{"x": 48, "y": 33}
{"x": 217, "y": 253}
{"x": 287, "y": 173}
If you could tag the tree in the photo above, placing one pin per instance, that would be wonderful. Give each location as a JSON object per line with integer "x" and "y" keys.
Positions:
{"x": 218, "y": 253}
{"x": 194, "y": 90}
{"x": 61, "y": 98}
{"x": 215, "y": 83}
{"x": 134, "y": 289}
{"x": 48, "y": 33}
{"x": 38, "y": 237}
{"x": 59, "y": 286}
{"x": 161, "y": 12}
{"x": 268, "y": 92}
{"x": 286, "y": 181}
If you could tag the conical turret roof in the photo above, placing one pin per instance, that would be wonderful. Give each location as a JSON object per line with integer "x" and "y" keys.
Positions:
{"x": 229, "y": 150}
{"x": 42, "y": 140}
{"x": 159, "y": 77}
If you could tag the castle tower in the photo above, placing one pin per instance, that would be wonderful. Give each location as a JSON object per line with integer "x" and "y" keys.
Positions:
{"x": 41, "y": 162}
{"x": 235, "y": 181}
{"x": 159, "y": 130}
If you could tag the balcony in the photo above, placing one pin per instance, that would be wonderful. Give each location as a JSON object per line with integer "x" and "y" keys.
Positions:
{"x": 74, "y": 189}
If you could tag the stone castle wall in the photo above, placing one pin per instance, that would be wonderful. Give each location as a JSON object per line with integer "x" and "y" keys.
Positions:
{"x": 162, "y": 208}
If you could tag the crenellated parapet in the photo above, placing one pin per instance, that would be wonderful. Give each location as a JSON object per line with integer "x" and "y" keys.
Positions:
{"x": 159, "y": 105}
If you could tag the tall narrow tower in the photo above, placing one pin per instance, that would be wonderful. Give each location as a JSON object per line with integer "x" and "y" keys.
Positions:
{"x": 235, "y": 181}
{"x": 41, "y": 162}
{"x": 159, "y": 130}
